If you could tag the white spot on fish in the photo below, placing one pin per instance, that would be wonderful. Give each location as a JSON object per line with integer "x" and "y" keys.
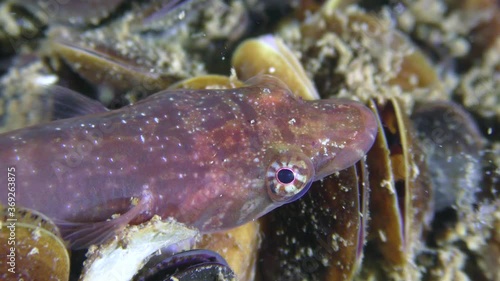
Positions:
{"x": 360, "y": 152}
{"x": 324, "y": 141}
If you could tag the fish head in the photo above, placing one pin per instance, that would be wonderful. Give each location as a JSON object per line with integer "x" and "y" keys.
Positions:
{"x": 333, "y": 133}
{"x": 298, "y": 143}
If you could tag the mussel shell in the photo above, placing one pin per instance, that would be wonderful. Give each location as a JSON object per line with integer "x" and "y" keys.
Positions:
{"x": 205, "y": 272}
{"x": 386, "y": 221}
{"x": 321, "y": 235}
{"x": 414, "y": 70}
{"x": 238, "y": 246}
{"x": 453, "y": 144}
{"x": 268, "y": 54}
{"x": 166, "y": 17}
{"x": 122, "y": 256}
{"x": 40, "y": 252}
{"x": 354, "y": 50}
{"x": 189, "y": 266}
{"x": 400, "y": 204}
{"x": 78, "y": 13}
{"x": 104, "y": 66}
{"x": 208, "y": 82}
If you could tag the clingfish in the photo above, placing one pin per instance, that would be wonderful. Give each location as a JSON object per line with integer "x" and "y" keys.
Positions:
{"x": 212, "y": 159}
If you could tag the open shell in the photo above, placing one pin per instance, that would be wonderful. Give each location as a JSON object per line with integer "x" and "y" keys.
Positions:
{"x": 400, "y": 197}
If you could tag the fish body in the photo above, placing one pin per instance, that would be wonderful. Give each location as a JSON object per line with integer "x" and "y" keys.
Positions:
{"x": 213, "y": 159}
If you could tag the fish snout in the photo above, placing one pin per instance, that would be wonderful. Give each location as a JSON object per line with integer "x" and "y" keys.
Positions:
{"x": 351, "y": 128}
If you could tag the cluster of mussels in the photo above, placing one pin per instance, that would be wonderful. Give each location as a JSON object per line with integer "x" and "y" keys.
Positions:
{"x": 422, "y": 205}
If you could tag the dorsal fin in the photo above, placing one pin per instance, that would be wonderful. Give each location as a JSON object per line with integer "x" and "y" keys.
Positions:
{"x": 67, "y": 103}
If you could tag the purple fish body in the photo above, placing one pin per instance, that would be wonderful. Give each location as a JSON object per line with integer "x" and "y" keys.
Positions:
{"x": 213, "y": 159}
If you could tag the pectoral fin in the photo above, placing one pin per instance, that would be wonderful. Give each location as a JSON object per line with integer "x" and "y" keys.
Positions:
{"x": 83, "y": 234}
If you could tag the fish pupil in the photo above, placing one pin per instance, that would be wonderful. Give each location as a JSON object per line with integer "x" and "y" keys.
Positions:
{"x": 285, "y": 176}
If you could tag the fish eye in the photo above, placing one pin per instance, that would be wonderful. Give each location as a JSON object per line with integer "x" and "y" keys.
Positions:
{"x": 285, "y": 176}
{"x": 289, "y": 176}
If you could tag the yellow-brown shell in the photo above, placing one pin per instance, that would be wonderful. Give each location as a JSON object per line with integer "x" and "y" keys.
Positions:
{"x": 269, "y": 55}
{"x": 237, "y": 246}
{"x": 39, "y": 251}
{"x": 400, "y": 195}
{"x": 321, "y": 236}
